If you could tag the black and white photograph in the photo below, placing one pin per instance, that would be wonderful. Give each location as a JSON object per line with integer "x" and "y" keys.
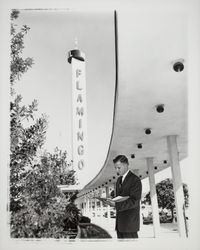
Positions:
{"x": 100, "y": 124}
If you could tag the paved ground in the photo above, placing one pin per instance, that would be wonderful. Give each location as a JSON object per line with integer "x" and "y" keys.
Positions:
{"x": 168, "y": 230}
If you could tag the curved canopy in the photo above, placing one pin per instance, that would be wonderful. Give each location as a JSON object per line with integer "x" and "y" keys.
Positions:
{"x": 148, "y": 45}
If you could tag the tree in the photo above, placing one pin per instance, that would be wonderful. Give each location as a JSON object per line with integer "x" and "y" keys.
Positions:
{"x": 25, "y": 141}
{"x": 165, "y": 195}
{"x": 24, "y": 145}
{"x": 43, "y": 207}
{"x": 37, "y": 206}
{"x": 18, "y": 65}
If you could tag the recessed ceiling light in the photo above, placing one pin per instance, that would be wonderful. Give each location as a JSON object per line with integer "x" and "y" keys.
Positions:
{"x": 178, "y": 65}
{"x": 160, "y": 108}
{"x": 147, "y": 131}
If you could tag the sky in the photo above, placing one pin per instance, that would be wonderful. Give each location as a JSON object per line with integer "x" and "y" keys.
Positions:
{"x": 52, "y": 34}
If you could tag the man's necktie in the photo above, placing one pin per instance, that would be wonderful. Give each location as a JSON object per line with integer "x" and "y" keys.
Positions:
{"x": 120, "y": 181}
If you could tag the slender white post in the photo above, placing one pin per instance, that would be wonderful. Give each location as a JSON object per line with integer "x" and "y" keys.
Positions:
{"x": 154, "y": 202}
{"x": 177, "y": 183}
{"x": 107, "y": 191}
{"x": 108, "y": 207}
{"x": 101, "y": 204}
{"x": 82, "y": 205}
{"x": 85, "y": 205}
{"x": 88, "y": 205}
{"x": 96, "y": 208}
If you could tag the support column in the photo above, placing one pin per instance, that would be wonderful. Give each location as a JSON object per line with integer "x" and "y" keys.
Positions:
{"x": 88, "y": 205}
{"x": 108, "y": 207}
{"x": 81, "y": 205}
{"x": 113, "y": 189}
{"x": 154, "y": 201}
{"x": 107, "y": 192}
{"x": 177, "y": 183}
{"x": 93, "y": 200}
{"x": 89, "y": 202}
{"x": 93, "y": 205}
{"x": 101, "y": 204}
{"x": 85, "y": 205}
{"x": 96, "y": 207}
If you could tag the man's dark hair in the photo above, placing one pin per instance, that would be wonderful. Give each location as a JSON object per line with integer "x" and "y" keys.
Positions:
{"x": 121, "y": 158}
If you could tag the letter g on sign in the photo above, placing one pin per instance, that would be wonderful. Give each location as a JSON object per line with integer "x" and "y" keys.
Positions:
{"x": 80, "y": 150}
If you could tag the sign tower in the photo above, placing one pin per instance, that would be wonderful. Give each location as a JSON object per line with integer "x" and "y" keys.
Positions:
{"x": 79, "y": 114}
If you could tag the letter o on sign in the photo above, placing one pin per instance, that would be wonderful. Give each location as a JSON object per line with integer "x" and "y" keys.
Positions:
{"x": 81, "y": 164}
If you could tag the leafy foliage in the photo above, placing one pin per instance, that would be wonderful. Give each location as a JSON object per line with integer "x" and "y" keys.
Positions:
{"x": 165, "y": 195}
{"x": 42, "y": 208}
{"x": 24, "y": 141}
{"x": 35, "y": 221}
{"x": 37, "y": 206}
{"x": 60, "y": 168}
{"x": 72, "y": 214}
{"x": 18, "y": 65}
{"x": 24, "y": 145}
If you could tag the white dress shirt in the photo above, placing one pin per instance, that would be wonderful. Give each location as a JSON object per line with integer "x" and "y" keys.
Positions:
{"x": 124, "y": 175}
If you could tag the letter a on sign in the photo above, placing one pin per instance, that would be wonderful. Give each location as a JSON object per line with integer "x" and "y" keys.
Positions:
{"x": 79, "y": 99}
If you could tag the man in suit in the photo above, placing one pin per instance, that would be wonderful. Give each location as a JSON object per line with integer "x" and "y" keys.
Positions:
{"x": 128, "y": 211}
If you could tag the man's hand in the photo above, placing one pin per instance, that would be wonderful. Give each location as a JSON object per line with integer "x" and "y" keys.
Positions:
{"x": 106, "y": 201}
{"x": 109, "y": 202}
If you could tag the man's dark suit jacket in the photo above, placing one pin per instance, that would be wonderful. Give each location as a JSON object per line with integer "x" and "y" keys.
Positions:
{"x": 128, "y": 211}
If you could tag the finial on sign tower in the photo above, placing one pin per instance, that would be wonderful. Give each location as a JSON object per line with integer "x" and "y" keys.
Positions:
{"x": 76, "y": 53}
{"x": 76, "y": 43}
